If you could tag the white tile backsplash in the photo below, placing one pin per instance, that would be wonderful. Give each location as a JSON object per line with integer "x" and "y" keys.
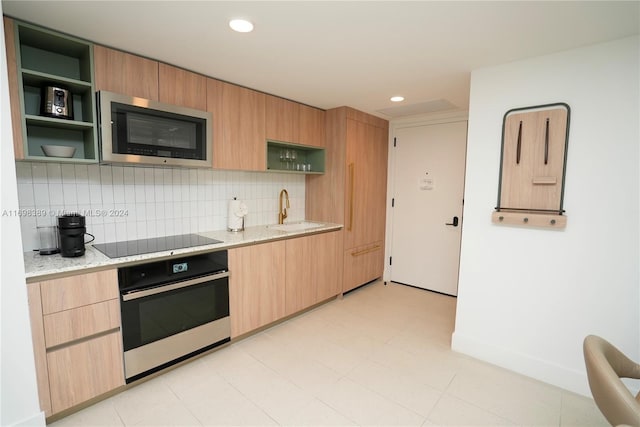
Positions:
{"x": 155, "y": 201}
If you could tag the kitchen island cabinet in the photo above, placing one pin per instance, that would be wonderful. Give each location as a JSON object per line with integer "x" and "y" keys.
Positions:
{"x": 355, "y": 177}
{"x": 75, "y": 324}
{"x": 238, "y": 126}
{"x": 124, "y": 73}
{"x": 256, "y": 286}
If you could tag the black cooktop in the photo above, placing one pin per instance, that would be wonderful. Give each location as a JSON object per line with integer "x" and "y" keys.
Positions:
{"x": 156, "y": 244}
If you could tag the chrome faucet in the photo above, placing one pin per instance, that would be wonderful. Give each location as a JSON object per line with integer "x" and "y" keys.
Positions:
{"x": 283, "y": 210}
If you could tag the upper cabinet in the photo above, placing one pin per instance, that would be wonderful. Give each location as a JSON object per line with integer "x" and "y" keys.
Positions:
{"x": 182, "y": 87}
{"x": 312, "y": 126}
{"x": 251, "y": 130}
{"x": 125, "y": 73}
{"x": 238, "y": 126}
{"x": 289, "y": 121}
{"x": 133, "y": 75}
{"x": 51, "y": 93}
{"x": 282, "y": 119}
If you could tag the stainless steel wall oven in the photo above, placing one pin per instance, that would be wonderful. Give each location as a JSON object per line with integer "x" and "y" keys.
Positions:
{"x": 173, "y": 310}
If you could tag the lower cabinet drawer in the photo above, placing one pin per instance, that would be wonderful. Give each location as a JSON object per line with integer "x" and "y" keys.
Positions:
{"x": 363, "y": 264}
{"x": 85, "y": 370}
{"x": 76, "y": 291}
{"x": 70, "y": 325}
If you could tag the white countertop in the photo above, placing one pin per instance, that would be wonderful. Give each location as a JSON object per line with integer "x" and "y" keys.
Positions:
{"x": 43, "y": 267}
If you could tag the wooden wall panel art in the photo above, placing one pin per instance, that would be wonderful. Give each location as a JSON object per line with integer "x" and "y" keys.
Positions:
{"x": 533, "y": 165}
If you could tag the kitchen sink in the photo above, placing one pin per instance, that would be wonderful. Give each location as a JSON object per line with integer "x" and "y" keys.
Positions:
{"x": 296, "y": 226}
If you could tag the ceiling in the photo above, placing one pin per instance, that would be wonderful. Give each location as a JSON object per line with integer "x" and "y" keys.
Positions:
{"x": 333, "y": 53}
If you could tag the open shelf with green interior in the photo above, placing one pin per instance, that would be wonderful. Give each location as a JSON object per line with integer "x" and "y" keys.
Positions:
{"x": 294, "y": 158}
{"x": 47, "y": 58}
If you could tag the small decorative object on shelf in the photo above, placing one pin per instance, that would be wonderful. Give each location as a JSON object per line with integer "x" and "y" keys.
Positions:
{"x": 58, "y": 151}
{"x": 533, "y": 166}
{"x": 56, "y": 101}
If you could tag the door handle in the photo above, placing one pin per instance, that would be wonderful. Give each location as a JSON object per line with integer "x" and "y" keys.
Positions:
{"x": 454, "y": 223}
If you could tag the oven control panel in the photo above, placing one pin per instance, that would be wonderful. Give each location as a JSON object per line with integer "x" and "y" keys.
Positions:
{"x": 180, "y": 267}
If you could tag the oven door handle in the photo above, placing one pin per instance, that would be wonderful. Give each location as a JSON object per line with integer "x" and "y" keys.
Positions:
{"x": 174, "y": 286}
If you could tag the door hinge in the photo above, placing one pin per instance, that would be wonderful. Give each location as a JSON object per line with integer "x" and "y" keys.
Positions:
{"x": 390, "y": 260}
{"x": 394, "y": 141}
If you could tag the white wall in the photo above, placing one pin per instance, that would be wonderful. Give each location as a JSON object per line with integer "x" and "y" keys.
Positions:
{"x": 528, "y": 297}
{"x": 18, "y": 391}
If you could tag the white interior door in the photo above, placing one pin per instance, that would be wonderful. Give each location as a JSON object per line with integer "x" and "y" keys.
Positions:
{"x": 428, "y": 197}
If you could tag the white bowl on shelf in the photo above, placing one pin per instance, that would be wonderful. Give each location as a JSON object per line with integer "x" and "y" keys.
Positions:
{"x": 58, "y": 151}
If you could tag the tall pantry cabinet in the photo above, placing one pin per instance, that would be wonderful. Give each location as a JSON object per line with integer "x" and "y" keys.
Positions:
{"x": 353, "y": 191}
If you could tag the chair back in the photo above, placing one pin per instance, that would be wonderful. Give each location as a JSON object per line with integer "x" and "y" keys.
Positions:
{"x": 605, "y": 366}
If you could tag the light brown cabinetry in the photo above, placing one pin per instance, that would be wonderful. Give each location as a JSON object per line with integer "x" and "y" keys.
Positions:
{"x": 312, "y": 270}
{"x": 289, "y": 121}
{"x": 355, "y": 177}
{"x": 238, "y": 126}
{"x": 132, "y": 75}
{"x": 282, "y": 119}
{"x": 39, "y": 346}
{"x": 124, "y": 73}
{"x": 363, "y": 264}
{"x": 272, "y": 280}
{"x": 82, "y": 371}
{"x": 75, "y": 323}
{"x": 14, "y": 92}
{"x": 312, "y": 126}
{"x": 256, "y": 286}
{"x": 182, "y": 87}
{"x": 366, "y": 193}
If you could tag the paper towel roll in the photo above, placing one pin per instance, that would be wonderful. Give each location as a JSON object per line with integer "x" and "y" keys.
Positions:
{"x": 235, "y": 215}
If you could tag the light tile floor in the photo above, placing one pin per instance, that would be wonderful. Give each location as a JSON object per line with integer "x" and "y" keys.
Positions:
{"x": 379, "y": 356}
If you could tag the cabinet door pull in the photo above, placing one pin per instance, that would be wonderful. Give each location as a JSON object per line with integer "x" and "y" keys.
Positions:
{"x": 546, "y": 143}
{"x": 351, "y": 187}
{"x": 366, "y": 251}
{"x": 519, "y": 146}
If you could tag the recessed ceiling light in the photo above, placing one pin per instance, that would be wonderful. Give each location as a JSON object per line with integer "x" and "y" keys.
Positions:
{"x": 241, "y": 25}
{"x": 397, "y": 98}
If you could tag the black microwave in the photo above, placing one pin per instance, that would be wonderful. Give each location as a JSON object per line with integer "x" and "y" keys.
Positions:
{"x": 146, "y": 132}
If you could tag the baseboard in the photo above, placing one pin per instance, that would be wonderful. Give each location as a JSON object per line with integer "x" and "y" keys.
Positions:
{"x": 36, "y": 420}
{"x": 541, "y": 370}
